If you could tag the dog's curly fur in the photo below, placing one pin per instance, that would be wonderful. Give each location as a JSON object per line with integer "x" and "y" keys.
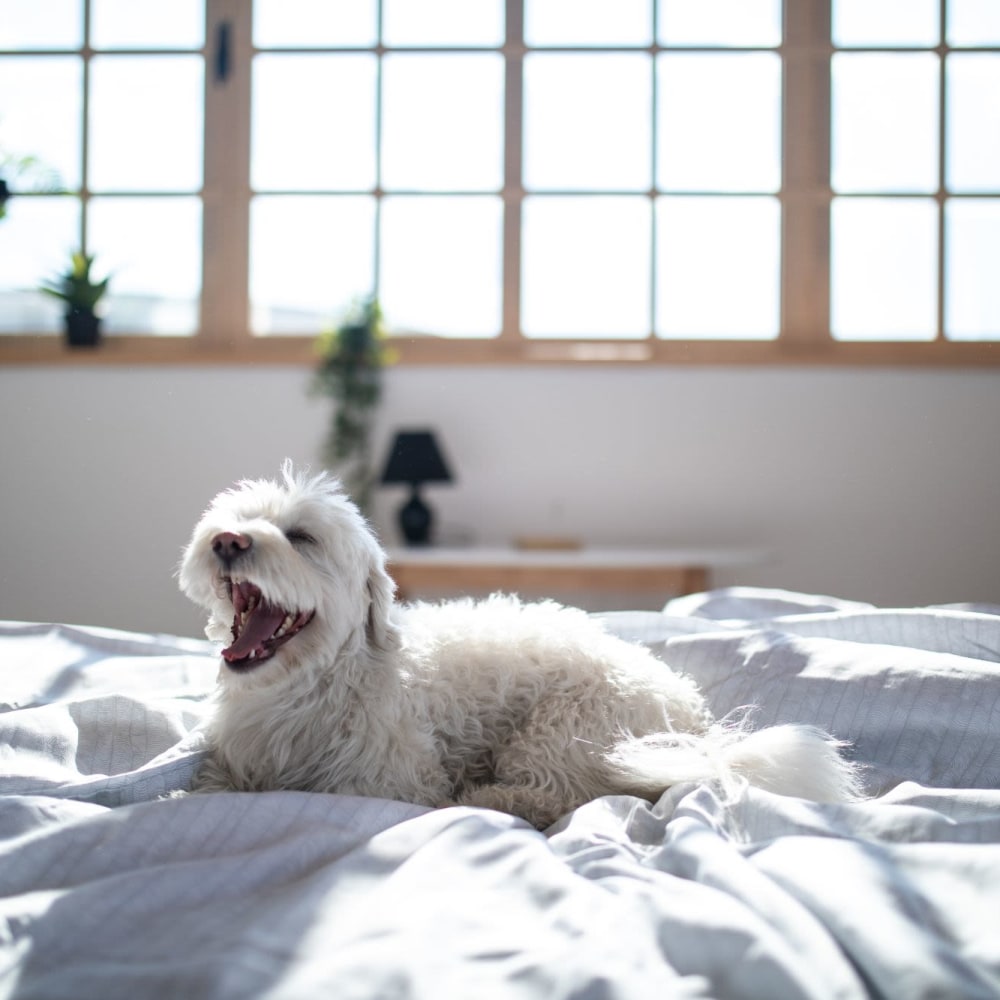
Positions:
{"x": 327, "y": 684}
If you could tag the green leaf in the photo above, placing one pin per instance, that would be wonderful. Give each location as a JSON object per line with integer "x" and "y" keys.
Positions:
{"x": 349, "y": 372}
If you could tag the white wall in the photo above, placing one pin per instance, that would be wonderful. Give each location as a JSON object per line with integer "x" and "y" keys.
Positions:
{"x": 873, "y": 485}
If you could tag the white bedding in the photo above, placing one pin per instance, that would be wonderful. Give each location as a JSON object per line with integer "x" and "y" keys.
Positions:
{"x": 108, "y": 889}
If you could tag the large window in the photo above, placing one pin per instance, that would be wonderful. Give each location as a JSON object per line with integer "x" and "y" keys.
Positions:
{"x": 114, "y": 116}
{"x": 551, "y": 180}
{"x": 915, "y": 171}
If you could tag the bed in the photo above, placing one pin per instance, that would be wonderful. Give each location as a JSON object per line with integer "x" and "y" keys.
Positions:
{"x": 114, "y": 885}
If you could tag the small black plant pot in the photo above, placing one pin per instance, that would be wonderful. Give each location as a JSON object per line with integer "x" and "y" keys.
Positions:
{"x": 83, "y": 328}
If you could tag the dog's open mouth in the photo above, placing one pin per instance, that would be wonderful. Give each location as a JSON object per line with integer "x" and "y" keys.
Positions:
{"x": 259, "y": 627}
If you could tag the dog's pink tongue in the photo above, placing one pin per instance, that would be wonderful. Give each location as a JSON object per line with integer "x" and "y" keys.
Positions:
{"x": 260, "y": 625}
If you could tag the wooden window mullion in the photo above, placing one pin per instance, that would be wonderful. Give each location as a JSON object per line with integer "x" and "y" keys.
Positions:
{"x": 513, "y": 184}
{"x": 225, "y": 320}
{"x": 805, "y": 193}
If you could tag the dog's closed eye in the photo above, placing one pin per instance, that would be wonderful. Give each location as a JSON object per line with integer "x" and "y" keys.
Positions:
{"x": 299, "y": 536}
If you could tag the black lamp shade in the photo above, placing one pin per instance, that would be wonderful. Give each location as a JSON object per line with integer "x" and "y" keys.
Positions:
{"x": 415, "y": 458}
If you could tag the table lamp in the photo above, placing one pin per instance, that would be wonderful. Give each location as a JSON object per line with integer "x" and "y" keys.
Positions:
{"x": 415, "y": 459}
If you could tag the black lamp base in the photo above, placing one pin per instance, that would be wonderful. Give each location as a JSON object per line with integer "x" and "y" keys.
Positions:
{"x": 415, "y": 520}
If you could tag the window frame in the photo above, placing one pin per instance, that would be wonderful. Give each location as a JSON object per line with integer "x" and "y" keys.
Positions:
{"x": 805, "y": 197}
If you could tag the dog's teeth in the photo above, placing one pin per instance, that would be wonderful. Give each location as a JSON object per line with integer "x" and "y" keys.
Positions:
{"x": 284, "y": 626}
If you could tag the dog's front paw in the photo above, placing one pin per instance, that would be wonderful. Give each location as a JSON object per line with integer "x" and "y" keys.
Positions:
{"x": 211, "y": 776}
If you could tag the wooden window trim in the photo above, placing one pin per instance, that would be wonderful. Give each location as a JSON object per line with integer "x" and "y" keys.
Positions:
{"x": 805, "y": 197}
{"x": 433, "y": 351}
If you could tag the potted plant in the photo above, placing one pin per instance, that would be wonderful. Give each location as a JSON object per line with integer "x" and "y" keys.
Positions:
{"x": 350, "y": 373}
{"x": 81, "y": 294}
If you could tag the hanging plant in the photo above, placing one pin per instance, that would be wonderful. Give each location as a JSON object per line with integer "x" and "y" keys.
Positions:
{"x": 25, "y": 173}
{"x": 350, "y": 373}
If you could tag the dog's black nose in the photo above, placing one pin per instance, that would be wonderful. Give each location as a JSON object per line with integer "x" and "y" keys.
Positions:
{"x": 228, "y": 545}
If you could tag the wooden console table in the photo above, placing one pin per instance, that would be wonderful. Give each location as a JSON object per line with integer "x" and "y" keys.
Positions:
{"x": 670, "y": 572}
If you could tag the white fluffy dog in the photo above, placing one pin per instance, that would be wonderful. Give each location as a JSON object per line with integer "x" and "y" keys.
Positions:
{"x": 327, "y": 684}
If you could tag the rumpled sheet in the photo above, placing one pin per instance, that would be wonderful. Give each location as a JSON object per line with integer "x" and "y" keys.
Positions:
{"x": 109, "y": 888}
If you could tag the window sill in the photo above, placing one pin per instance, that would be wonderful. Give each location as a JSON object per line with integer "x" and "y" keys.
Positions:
{"x": 195, "y": 351}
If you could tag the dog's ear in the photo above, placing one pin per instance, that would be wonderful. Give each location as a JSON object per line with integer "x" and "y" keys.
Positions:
{"x": 379, "y": 630}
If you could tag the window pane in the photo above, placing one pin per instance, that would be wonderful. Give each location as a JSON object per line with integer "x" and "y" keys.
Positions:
{"x": 147, "y": 24}
{"x": 887, "y": 23}
{"x": 587, "y": 122}
{"x": 310, "y": 257}
{"x": 146, "y": 123}
{"x": 442, "y": 122}
{"x": 289, "y": 151}
{"x": 883, "y": 283}
{"x": 440, "y": 269}
{"x": 973, "y": 22}
{"x": 718, "y": 263}
{"x": 587, "y": 22}
{"x": 312, "y": 23}
{"x": 47, "y": 127}
{"x": 719, "y": 122}
{"x": 973, "y": 123}
{"x": 41, "y": 24}
{"x": 720, "y": 22}
{"x": 442, "y": 22}
{"x": 972, "y": 303}
{"x": 885, "y": 122}
{"x": 585, "y": 267}
{"x": 36, "y": 238}
{"x": 152, "y": 249}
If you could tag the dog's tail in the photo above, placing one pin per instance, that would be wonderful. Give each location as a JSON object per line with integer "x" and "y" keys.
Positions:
{"x": 795, "y": 760}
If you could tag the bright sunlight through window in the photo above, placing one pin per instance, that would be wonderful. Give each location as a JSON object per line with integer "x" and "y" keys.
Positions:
{"x": 700, "y": 179}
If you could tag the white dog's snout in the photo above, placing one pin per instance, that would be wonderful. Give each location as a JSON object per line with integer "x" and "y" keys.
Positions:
{"x": 230, "y": 545}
